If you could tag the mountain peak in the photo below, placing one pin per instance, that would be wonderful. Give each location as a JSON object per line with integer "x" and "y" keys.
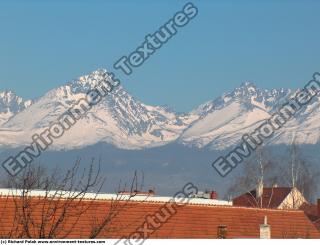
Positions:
{"x": 89, "y": 81}
{"x": 125, "y": 122}
{"x": 10, "y": 104}
{"x": 8, "y": 98}
{"x": 246, "y": 88}
{"x": 247, "y": 84}
{"x": 8, "y": 95}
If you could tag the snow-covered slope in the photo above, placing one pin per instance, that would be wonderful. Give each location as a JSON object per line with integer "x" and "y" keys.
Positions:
{"x": 223, "y": 126}
{"x": 222, "y": 122}
{"x": 118, "y": 119}
{"x": 125, "y": 122}
{"x": 304, "y": 127}
{"x": 10, "y": 105}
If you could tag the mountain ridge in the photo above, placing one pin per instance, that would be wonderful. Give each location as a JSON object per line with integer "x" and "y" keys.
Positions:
{"x": 11, "y": 104}
{"x": 125, "y": 122}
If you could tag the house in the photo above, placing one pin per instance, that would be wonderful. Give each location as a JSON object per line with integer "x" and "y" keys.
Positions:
{"x": 145, "y": 216}
{"x": 313, "y": 212}
{"x": 280, "y": 198}
{"x": 271, "y": 197}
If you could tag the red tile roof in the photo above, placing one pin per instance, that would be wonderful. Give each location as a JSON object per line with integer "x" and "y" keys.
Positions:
{"x": 190, "y": 221}
{"x": 317, "y": 223}
{"x": 311, "y": 211}
{"x": 271, "y": 198}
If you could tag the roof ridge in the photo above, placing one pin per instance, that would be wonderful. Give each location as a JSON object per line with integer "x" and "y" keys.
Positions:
{"x": 199, "y": 205}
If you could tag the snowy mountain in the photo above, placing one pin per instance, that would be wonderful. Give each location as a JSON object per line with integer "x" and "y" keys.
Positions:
{"x": 10, "y": 105}
{"x": 126, "y": 123}
{"x": 119, "y": 119}
{"x": 223, "y": 121}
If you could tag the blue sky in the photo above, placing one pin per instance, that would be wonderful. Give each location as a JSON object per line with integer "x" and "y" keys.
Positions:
{"x": 44, "y": 44}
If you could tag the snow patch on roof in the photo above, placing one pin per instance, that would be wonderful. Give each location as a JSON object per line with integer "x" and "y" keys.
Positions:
{"x": 104, "y": 196}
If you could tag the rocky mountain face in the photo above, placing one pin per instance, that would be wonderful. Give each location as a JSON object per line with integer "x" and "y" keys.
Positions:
{"x": 126, "y": 123}
{"x": 10, "y": 105}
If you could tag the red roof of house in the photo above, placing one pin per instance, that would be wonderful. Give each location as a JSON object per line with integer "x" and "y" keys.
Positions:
{"x": 190, "y": 221}
{"x": 271, "y": 198}
{"x": 311, "y": 210}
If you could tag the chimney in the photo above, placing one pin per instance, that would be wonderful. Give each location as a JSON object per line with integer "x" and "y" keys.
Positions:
{"x": 318, "y": 207}
{"x": 222, "y": 232}
{"x": 151, "y": 192}
{"x": 265, "y": 229}
{"x": 213, "y": 195}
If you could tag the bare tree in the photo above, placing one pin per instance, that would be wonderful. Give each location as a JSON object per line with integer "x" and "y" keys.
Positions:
{"x": 62, "y": 203}
{"x": 298, "y": 173}
{"x": 258, "y": 171}
{"x": 117, "y": 205}
{"x": 265, "y": 169}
